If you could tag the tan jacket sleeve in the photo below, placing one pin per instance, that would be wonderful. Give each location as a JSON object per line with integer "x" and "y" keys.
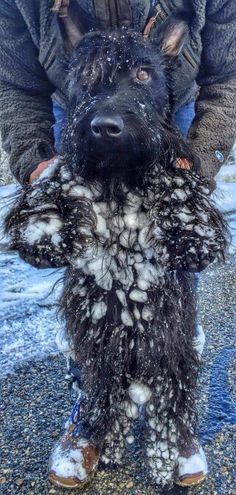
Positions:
{"x": 214, "y": 127}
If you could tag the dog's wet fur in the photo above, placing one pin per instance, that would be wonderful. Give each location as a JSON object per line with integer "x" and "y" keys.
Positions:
{"x": 106, "y": 67}
{"x": 132, "y": 227}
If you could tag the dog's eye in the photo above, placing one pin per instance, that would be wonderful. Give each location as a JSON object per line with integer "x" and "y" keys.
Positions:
{"x": 143, "y": 75}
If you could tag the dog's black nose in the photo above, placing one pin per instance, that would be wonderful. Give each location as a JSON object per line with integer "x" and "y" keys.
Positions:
{"x": 104, "y": 126}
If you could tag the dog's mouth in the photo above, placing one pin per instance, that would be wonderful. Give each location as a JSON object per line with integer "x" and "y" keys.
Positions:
{"x": 117, "y": 168}
{"x": 130, "y": 150}
{"x": 111, "y": 145}
{"x": 119, "y": 160}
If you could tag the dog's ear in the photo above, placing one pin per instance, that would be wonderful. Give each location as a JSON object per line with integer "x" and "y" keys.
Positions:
{"x": 74, "y": 22}
{"x": 173, "y": 33}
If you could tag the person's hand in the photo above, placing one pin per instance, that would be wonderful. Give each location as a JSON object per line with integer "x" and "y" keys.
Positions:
{"x": 183, "y": 163}
{"x": 40, "y": 168}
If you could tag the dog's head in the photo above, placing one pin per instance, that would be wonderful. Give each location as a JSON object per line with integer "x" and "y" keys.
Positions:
{"x": 120, "y": 100}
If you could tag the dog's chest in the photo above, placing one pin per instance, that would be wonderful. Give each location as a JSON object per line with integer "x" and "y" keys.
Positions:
{"x": 123, "y": 259}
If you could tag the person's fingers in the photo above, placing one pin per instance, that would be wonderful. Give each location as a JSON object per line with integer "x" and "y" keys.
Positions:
{"x": 40, "y": 168}
{"x": 60, "y": 7}
{"x": 183, "y": 163}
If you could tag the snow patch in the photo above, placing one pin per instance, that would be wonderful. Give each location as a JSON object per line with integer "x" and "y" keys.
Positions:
{"x": 69, "y": 463}
{"x": 131, "y": 410}
{"x": 98, "y": 310}
{"x": 81, "y": 192}
{"x": 138, "y": 296}
{"x": 139, "y": 393}
{"x": 193, "y": 464}
{"x": 37, "y": 229}
{"x": 126, "y": 318}
{"x": 147, "y": 313}
{"x": 121, "y": 296}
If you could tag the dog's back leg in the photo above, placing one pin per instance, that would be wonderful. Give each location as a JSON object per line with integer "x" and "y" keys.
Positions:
{"x": 121, "y": 436}
{"x": 159, "y": 449}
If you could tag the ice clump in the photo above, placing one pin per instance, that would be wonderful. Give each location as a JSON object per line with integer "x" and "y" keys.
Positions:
{"x": 139, "y": 393}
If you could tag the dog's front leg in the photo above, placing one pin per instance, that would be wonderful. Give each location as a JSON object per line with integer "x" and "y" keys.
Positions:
{"x": 49, "y": 225}
{"x": 185, "y": 225}
{"x": 35, "y": 225}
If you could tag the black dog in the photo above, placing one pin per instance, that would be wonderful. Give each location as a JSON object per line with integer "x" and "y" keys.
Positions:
{"x": 131, "y": 225}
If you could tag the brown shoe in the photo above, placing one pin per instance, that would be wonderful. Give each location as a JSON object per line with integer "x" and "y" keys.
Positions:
{"x": 73, "y": 462}
{"x": 191, "y": 480}
{"x": 192, "y": 467}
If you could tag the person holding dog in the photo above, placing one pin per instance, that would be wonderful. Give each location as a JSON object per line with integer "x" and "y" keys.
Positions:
{"x": 32, "y": 87}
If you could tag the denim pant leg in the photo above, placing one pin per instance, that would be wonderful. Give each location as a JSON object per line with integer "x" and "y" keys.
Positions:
{"x": 184, "y": 116}
{"x": 60, "y": 117}
{"x": 183, "y": 119}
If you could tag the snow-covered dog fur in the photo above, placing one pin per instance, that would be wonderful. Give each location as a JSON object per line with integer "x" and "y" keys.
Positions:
{"x": 130, "y": 226}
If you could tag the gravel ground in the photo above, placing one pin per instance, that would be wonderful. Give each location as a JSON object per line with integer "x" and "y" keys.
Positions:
{"x": 34, "y": 409}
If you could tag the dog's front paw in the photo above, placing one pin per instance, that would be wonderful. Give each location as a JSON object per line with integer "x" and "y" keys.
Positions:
{"x": 195, "y": 262}
{"x": 40, "y": 256}
{"x": 197, "y": 246}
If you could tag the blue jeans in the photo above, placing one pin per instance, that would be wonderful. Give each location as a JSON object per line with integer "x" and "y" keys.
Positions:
{"x": 60, "y": 118}
{"x": 184, "y": 116}
{"x": 183, "y": 119}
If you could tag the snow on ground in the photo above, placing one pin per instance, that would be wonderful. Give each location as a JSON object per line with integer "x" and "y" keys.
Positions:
{"x": 5, "y": 174}
{"x": 28, "y": 320}
{"x": 225, "y": 197}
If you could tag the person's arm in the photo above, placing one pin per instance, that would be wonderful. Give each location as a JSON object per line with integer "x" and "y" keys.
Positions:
{"x": 213, "y": 131}
{"x": 26, "y": 116}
